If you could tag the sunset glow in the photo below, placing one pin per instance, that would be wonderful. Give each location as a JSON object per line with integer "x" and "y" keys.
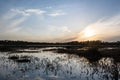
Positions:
{"x": 88, "y": 33}
{"x": 59, "y": 20}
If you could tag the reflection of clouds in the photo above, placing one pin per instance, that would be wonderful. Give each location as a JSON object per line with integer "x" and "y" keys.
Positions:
{"x": 49, "y": 65}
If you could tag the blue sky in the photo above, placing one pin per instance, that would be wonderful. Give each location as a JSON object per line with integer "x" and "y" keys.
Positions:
{"x": 60, "y": 20}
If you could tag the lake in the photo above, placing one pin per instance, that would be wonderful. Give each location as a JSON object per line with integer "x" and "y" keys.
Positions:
{"x": 37, "y": 64}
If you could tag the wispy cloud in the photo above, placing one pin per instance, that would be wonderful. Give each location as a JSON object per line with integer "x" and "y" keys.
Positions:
{"x": 12, "y": 26}
{"x": 17, "y": 22}
{"x": 59, "y": 29}
{"x": 28, "y": 12}
{"x": 54, "y": 32}
{"x": 65, "y": 29}
{"x": 57, "y": 13}
{"x": 35, "y": 11}
{"x": 9, "y": 15}
{"x": 104, "y": 29}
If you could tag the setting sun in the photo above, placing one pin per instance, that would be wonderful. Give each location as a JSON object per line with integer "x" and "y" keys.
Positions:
{"x": 88, "y": 32}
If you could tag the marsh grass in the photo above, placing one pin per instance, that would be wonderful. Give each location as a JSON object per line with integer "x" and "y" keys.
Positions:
{"x": 7, "y": 49}
{"x": 13, "y": 57}
{"x": 93, "y": 54}
{"x": 20, "y": 59}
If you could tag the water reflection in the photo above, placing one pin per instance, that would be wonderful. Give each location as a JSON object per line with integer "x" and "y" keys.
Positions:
{"x": 46, "y": 65}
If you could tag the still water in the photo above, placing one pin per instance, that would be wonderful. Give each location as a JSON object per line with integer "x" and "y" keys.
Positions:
{"x": 48, "y": 65}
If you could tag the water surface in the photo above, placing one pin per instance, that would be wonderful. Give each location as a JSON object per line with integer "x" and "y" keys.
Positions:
{"x": 48, "y": 65}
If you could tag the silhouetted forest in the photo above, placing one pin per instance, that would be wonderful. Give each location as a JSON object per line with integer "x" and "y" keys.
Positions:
{"x": 96, "y": 43}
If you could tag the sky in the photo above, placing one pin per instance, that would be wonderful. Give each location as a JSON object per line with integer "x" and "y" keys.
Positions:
{"x": 60, "y": 20}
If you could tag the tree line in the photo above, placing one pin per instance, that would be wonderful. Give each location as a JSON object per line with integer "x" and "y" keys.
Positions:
{"x": 96, "y": 43}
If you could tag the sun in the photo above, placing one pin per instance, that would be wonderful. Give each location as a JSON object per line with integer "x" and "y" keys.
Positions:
{"x": 88, "y": 32}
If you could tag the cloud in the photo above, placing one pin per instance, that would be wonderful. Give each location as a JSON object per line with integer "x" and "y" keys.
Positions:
{"x": 9, "y": 15}
{"x": 12, "y": 26}
{"x": 11, "y": 21}
{"x": 69, "y": 39}
{"x": 15, "y": 25}
{"x": 59, "y": 29}
{"x": 14, "y": 30}
{"x": 35, "y": 11}
{"x": 28, "y": 12}
{"x": 104, "y": 29}
{"x": 65, "y": 29}
{"x": 57, "y": 13}
{"x": 17, "y": 22}
{"x": 53, "y": 32}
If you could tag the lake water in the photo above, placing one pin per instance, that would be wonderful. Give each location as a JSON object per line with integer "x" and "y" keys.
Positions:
{"x": 48, "y": 65}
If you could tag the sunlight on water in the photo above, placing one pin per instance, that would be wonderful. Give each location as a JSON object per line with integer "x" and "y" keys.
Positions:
{"x": 46, "y": 65}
